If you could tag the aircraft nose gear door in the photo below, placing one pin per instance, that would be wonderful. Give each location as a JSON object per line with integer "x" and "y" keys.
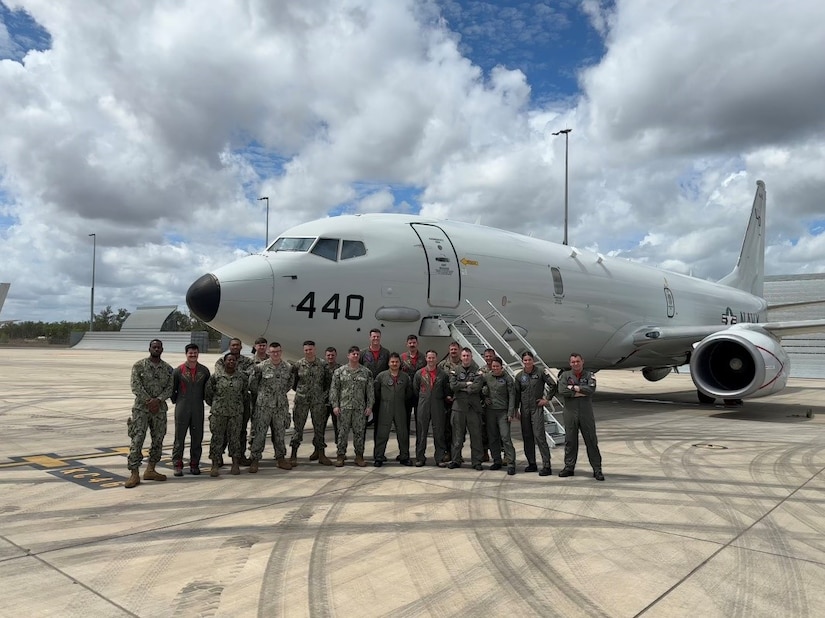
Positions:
{"x": 442, "y": 264}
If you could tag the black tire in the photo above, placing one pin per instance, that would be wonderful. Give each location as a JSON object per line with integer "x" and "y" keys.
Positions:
{"x": 705, "y": 399}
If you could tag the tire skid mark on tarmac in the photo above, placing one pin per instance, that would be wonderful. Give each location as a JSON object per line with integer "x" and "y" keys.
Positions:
{"x": 202, "y": 596}
{"x": 274, "y": 577}
{"x": 547, "y": 577}
{"x": 319, "y": 591}
{"x": 448, "y": 598}
{"x": 509, "y": 576}
{"x": 428, "y": 601}
{"x": 687, "y": 476}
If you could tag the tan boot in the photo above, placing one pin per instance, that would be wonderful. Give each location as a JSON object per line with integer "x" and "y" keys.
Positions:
{"x": 284, "y": 464}
{"x": 359, "y": 461}
{"x": 152, "y": 475}
{"x": 323, "y": 459}
{"x": 314, "y": 456}
{"x": 253, "y": 467}
{"x": 236, "y": 466}
{"x": 339, "y": 463}
{"x": 134, "y": 479}
{"x": 216, "y": 469}
{"x": 293, "y": 457}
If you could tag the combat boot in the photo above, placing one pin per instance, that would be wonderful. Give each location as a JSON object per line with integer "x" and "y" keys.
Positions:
{"x": 253, "y": 467}
{"x": 293, "y": 456}
{"x": 216, "y": 469}
{"x": 315, "y": 455}
{"x": 284, "y": 464}
{"x": 339, "y": 463}
{"x": 179, "y": 467}
{"x": 236, "y": 466}
{"x": 194, "y": 468}
{"x": 152, "y": 475}
{"x": 359, "y": 460}
{"x": 323, "y": 459}
{"x": 134, "y": 479}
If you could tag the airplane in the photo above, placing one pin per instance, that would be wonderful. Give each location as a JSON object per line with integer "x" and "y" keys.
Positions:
{"x": 332, "y": 280}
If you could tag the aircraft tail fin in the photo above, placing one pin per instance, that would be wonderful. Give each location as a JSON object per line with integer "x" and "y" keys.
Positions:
{"x": 749, "y": 272}
{"x": 4, "y": 290}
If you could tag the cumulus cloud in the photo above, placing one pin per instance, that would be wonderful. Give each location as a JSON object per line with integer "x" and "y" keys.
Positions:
{"x": 157, "y": 126}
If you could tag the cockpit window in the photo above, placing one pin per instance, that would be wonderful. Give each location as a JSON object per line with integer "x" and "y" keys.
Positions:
{"x": 326, "y": 248}
{"x": 352, "y": 248}
{"x": 292, "y": 244}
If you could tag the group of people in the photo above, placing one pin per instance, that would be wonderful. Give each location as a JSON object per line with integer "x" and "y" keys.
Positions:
{"x": 449, "y": 399}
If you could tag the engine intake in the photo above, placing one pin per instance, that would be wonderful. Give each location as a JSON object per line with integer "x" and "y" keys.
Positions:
{"x": 738, "y": 363}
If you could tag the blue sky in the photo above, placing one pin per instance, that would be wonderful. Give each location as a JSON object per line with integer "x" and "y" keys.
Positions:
{"x": 157, "y": 126}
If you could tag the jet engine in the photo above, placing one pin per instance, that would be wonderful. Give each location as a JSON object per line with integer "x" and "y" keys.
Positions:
{"x": 736, "y": 363}
{"x": 654, "y": 374}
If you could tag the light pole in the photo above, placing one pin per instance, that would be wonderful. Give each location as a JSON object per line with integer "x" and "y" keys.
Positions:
{"x": 92, "y": 304}
{"x": 566, "y": 135}
{"x": 267, "y": 218}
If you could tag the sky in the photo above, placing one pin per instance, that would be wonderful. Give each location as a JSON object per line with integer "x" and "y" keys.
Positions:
{"x": 157, "y": 124}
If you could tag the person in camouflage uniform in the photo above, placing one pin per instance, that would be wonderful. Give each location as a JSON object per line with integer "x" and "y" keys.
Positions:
{"x": 269, "y": 384}
{"x": 466, "y": 383}
{"x": 152, "y": 385}
{"x": 246, "y": 365}
{"x": 309, "y": 380}
{"x": 188, "y": 390}
{"x": 393, "y": 388}
{"x": 331, "y": 358}
{"x": 499, "y": 394}
{"x": 227, "y": 393}
{"x": 531, "y": 398}
{"x": 352, "y": 396}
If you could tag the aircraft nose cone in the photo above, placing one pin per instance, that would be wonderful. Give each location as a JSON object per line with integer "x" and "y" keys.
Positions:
{"x": 204, "y": 297}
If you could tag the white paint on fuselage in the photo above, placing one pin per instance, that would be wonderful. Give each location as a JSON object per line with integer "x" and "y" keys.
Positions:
{"x": 604, "y": 302}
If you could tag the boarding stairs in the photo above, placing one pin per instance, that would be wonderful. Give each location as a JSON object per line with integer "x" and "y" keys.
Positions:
{"x": 478, "y": 331}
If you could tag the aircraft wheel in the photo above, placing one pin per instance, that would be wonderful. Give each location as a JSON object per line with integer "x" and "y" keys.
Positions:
{"x": 733, "y": 403}
{"x": 706, "y": 399}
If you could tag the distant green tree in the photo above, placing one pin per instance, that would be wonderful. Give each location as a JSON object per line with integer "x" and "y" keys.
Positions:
{"x": 108, "y": 320}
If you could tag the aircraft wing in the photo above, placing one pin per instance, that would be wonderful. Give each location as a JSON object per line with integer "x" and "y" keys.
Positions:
{"x": 667, "y": 339}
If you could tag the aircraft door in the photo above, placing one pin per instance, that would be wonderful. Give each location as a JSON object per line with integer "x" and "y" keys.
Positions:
{"x": 444, "y": 288}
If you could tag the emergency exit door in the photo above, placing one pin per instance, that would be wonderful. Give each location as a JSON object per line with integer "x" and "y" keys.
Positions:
{"x": 442, "y": 266}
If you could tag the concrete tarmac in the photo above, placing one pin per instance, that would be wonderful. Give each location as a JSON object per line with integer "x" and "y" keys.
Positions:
{"x": 706, "y": 511}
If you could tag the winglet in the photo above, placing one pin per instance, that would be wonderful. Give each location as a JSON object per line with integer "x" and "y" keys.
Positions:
{"x": 749, "y": 272}
{"x": 4, "y": 289}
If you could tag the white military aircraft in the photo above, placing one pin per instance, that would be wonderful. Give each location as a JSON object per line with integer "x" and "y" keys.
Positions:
{"x": 333, "y": 279}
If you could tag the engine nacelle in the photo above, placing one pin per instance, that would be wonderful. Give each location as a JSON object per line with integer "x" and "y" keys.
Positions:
{"x": 654, "y": 374}
{"x": 737, "y": 362}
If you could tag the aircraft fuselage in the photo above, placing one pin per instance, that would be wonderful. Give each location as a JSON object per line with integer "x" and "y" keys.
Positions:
{"x": 562, "y": 299}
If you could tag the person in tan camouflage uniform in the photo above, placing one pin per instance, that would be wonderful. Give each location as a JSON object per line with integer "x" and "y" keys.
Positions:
{"x": 309, "y": 380}
{"x": 331, "y": 358}
{"x": 152, "y": 385}
{"x": 246, "y": 365}
{"x": 352, "y": 396}
{"x": 269, "y": 385}
{"x": 227, "y": 393}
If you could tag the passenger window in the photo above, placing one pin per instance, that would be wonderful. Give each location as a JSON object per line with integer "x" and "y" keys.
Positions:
{"x": 558, "y": 284}
{"x": 352, "y": 248}
{"x": 326, "y": 248}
